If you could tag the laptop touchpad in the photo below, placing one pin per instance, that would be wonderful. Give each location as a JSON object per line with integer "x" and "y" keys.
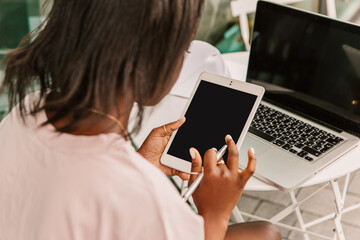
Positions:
{"x": 250, "y": 142}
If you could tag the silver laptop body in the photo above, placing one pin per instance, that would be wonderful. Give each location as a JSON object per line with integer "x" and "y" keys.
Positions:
{"x": 310, "y": 114}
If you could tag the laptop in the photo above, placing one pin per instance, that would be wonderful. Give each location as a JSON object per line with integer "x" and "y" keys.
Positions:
{"x": 310, "y": 113}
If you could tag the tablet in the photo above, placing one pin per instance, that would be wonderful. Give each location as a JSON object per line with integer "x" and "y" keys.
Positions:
{"x": 217, "y": 106}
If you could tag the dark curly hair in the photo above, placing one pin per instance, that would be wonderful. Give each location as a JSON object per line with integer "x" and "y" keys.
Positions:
{"x": 87, "y": 53}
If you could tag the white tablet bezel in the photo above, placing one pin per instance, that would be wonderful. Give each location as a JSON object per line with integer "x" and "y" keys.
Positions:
{"x": 258, "y": 91}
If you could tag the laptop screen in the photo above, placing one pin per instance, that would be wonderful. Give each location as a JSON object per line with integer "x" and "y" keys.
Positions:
{"x": 307, "y": 63}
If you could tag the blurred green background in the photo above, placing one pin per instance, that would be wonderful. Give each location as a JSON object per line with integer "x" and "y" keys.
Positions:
{"x": 17, "y": 18}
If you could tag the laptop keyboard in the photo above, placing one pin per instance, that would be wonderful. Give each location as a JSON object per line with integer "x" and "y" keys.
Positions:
{"x": 293, "y": 135}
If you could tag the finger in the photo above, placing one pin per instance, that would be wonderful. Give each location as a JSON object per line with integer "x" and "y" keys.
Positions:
{"x": 168, "y": 129}
{"x": 220, "y": 162}
{"x": 222, "y": 166}
{"x": 251, "y": 166}
{"x": 196, "y": 164}
{"x": 184, "y": 176}
{"x": 233, "y": 155}
{"x": 210, "y": 161}
{"x": 171, "y": 127}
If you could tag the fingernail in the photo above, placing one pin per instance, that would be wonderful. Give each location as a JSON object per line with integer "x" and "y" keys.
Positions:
{"x": 252, "y": 151}
{"x": 228, "y": 137}
{"x": 192, "y": 153}
{"x": 214, "y": 149}
{"x": 181, "y": 119}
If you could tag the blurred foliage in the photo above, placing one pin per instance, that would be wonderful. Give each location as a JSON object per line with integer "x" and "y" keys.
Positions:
{"x": 13, "y": 22}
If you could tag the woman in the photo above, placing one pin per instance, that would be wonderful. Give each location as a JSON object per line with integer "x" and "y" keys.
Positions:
{"x": 68, "y": 170}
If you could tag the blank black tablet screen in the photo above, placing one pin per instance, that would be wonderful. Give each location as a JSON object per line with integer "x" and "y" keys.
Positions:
{"x": 213, "y": 112}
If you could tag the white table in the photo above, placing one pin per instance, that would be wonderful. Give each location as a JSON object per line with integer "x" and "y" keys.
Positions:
{"x": 170, "y": 109}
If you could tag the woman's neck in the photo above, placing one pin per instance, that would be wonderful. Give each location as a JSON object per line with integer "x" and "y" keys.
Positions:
{"x": 93, "y": 124}
{"x": 97, "y": 121}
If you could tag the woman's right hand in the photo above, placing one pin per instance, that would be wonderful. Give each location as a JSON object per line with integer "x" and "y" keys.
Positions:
{"x": 221, "y": 187}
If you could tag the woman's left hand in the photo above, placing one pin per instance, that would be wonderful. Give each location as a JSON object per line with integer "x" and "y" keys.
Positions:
{"x": 154, "y": 146}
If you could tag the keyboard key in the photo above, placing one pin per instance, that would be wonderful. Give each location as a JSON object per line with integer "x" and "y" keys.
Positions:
{"x": 312, "y": 138}
{"x": 276, "y": 135}
{"x": 305, "y": 135}
{"x": 331, "y": 135}
{"x": 309, "y": 130}
{"x": 286, "y": 121}
{"x": 315, "y": 134}
{"x": 324, "y": 149}
{"x": 297, "y": 132}
{"x": 299, "y": 145}
{"x": 328, "y": 145}
{"x": 261, "y": 134}
{"x": 323, "y": 137}
{"x": 278, "y": 142}
{"x": 302, "y": 140}
{"x": 332, "y": 141}
{"x": 291, "y": 141}
{"x": 317, "y": 147}
{"x": 263, "y": 129}
{"x": 284, "y": 138}
{"x": 309, "y": 158}
{"x": 270, "y": 132}
{"x": 320, "y": 142}
{"x": 339, "y": 139}
{"x": 293, "y": 151}
{"x": 301, "y": 127}
{"x": 286, "y": 146}
{"x": 294, "y": 136}
{"x": 294, "y": 124}
{"x": 302, "y": 154}
{"x": 311, "y": 151}
{"x": 287, "y": 133}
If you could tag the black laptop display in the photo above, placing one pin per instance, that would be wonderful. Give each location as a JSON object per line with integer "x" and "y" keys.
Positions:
{"x": 303, "y": 62}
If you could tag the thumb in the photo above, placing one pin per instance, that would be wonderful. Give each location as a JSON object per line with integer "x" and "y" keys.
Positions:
{"x": 196, "y": 164}
{"x": 250, "y": 169}
{"x": 168, "y": 129}
{"x": 175, "y": 125}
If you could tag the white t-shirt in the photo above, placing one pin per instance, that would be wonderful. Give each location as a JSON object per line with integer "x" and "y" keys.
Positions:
{"x": 60, "y": 186}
